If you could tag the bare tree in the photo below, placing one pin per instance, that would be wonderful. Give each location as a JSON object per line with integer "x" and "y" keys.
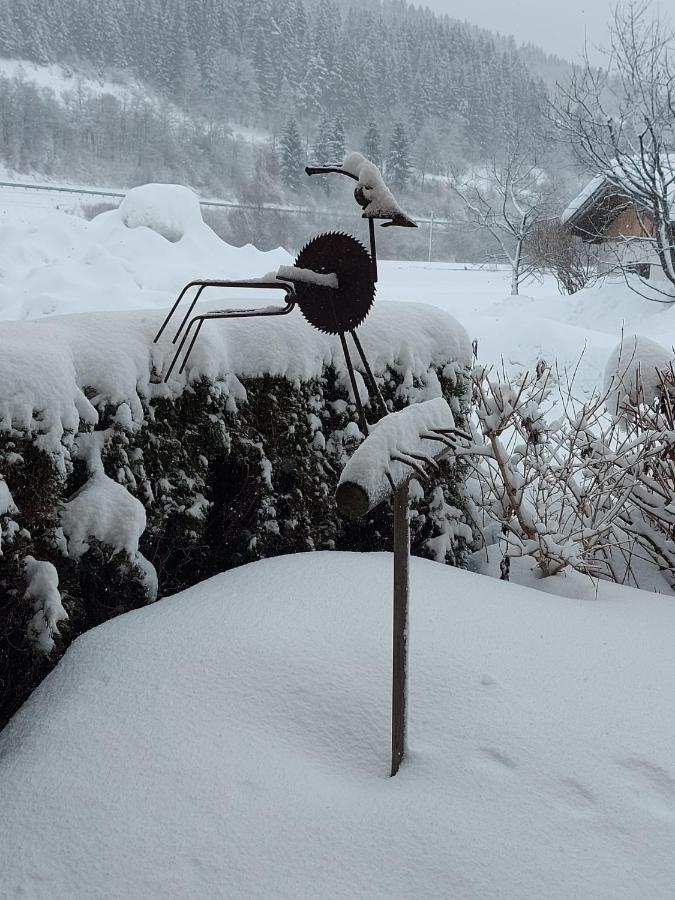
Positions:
{"x": 507, "y": 201}
{"x": 620, "y": 122}
{"x": 554, "y": 250}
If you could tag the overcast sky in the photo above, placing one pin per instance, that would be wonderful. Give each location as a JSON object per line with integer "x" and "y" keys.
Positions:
{"x": 559, "y": 26}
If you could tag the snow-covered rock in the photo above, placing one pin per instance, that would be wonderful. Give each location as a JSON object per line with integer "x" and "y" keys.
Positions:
{"x": 234, "y": 740}
{"x": 170, "y": 210}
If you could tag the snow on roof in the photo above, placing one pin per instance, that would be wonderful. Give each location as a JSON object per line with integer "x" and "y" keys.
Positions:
{"x": 234, "y": 741}
{"x": 583, "y": 198}
{"x": 618, "y": 180}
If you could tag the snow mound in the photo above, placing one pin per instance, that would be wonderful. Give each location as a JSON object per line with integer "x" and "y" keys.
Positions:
{"x": 632, "y": 372}
{"x": 170, "y": 210}
{"x": 234, "y": 741}
{"x": 43, "y": 590}
{"x": 60, "y": 264}
{"x": 104, "y": 510}
{"x": 46, "y": 365}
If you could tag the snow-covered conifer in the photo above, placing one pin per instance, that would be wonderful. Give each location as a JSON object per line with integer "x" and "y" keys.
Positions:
{"x": 292, "y": 156}
{"x": 398, "y": 168}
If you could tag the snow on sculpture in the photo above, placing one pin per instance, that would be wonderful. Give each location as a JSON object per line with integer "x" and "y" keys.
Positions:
{"x": 335, "y": 297}
{"x": 398, "y": 448}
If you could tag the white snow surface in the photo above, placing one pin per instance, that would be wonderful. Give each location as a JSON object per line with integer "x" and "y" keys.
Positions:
{"x": 399, "y": 433}
{"x": 104, "y": 510}
{"x": 52, "y": 263}
{"x": 7, "y": 505}
{"x": 46, "y": 364}
{"x": 233, "y": 741}
{"x": 307, "y": 276}
{"x": 55, "y": 264}
{"x": 42, "y": 591}
{"x": 170, "y": 210}
{"x": 632, "y": 371}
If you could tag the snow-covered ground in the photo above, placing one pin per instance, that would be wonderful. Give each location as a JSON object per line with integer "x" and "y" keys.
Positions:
{"x": 233, "y": 741}
{"x": 52, "y": 263}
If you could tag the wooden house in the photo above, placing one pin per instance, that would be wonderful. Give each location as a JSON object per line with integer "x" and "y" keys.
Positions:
{"x": 606, "y": 214}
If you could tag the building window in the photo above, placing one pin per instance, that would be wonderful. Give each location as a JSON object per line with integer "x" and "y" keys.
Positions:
{"x": 641, "y": 269}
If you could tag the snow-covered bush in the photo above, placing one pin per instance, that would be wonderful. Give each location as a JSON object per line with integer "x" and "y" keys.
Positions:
{"x": 633, "y": 373}
{"x": 130, "y": 489}
{"x": 571, "y": 483}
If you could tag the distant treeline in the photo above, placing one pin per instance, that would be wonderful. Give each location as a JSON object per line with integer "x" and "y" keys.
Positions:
{"x": 261, "y": 62}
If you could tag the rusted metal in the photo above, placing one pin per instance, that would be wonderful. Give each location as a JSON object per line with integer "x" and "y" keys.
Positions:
{"x": 399, "y": 680}
{"x": 354, "y": 501}
{"x": 199, "y": 320}
{"x": 335, "y": 311}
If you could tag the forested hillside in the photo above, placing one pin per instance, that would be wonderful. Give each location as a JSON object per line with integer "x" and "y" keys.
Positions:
{"x": 422, "y": 95}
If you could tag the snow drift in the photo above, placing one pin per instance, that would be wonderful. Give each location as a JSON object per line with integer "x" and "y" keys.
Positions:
{"x": 234, "y": 741}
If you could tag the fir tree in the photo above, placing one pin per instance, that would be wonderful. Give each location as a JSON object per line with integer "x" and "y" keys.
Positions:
{"x": 292, "y": 156}
{"x": 372, "y": 144}
{"x": 337, "y": 140}
{"x": 322, "y": 150}
{"x": 398, "y": 166}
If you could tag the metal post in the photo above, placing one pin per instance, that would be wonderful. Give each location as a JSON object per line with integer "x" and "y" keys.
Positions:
{"x": 400, "y": 636}
{"x": 431, "y": 234}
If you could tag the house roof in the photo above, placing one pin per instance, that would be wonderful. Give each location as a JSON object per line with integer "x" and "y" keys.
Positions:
{"x": 608, "y": 193}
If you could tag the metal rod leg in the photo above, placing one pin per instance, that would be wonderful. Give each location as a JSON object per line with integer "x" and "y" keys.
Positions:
{"x": 373, "y": 249}
{"x": 369, "y": 373}
{"x": 352, "y": 378}
{"x": 399, "y": 688}
{"x": 178, "y": 351}
{"x": 192, "y": 343}
{"x": 188, "y": 313}
{"x": 173, "y": 310}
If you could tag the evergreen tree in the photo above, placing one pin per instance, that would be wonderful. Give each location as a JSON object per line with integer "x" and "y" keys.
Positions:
{"x": 322, "y": 150}
{"x": 321, "y": 146}
{"x": 292, "y": 156}
{"x": 372, "y": 144}
{"x": 398, "y": 168}
{"x": 336, "y": 142}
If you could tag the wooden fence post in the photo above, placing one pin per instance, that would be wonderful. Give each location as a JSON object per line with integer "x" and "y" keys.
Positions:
{"x": 400, "y": 626}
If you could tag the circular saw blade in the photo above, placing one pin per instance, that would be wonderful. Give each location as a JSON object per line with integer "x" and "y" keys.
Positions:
{"x": 336, "y": 310}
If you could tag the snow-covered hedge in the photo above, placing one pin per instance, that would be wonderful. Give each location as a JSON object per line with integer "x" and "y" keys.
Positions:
{"x": 116, "y": 488}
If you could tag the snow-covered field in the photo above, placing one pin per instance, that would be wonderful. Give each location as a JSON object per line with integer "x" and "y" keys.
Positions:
{"x": 54, "y": 264}
{"x": 233, "y": 741}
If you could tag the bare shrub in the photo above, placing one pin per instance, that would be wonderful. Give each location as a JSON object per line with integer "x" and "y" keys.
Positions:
{"x": 553, "y": 249}
{"x": 571, "y": 486}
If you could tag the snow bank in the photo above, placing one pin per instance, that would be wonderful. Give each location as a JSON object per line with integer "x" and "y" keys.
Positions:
{"x": 46, "y": 365}
{"x": 234, "y": 741}
{"x": 59, "y": 264}
{"x": 170, "y": 210}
